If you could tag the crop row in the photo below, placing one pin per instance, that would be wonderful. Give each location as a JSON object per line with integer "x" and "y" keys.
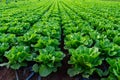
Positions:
{"x": 33, "y": 37}
{"x": 93, "y": 43}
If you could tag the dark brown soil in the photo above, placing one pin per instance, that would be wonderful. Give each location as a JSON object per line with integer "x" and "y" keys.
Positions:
{"x": 8, "y": 74}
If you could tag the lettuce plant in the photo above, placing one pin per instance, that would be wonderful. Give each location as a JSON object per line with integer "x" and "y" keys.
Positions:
{"x": 46, "y": 41}
{"x": 74, "y": 40}
{"x": 18, "y": 56}
{"x": 108, "y": 48}
{"x": 48, "y": 61}
{"x": 84, "y": 61}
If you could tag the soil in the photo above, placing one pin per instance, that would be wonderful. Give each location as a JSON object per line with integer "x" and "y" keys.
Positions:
{"x": 8, "y": 74}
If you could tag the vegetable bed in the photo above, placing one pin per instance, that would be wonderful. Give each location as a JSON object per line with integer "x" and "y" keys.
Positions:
{"x": 60, "y": 40}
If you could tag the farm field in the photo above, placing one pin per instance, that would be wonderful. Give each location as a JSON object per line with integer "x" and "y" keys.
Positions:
{"x": 60, "y": 40}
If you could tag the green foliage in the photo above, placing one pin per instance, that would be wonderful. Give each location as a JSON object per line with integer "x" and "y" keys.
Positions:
{"x": 40, "y": 31}
{"x": 3, "y": 48}
{"x": 48, "y": 61}
{"x": 76, "y": 39}
{"x": 114, "y": 69}
{"x": 17, "y": 56}
{"x": 46, "y": 41}
{"x": 108, "y": 48}
{"x": 84, "y": 61}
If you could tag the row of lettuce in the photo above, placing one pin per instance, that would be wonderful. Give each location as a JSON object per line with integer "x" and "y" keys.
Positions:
{"x": 91, "y": 35}
{"x": 92, "y": 38}
{"x": 32, "y": 36}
